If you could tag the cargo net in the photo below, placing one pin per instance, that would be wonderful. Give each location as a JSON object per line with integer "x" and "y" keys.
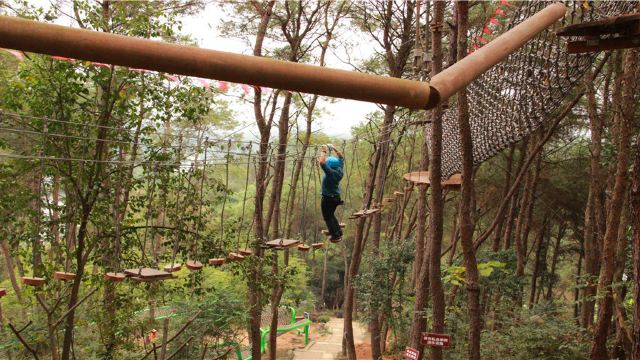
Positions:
{"x": 516, "y": 97}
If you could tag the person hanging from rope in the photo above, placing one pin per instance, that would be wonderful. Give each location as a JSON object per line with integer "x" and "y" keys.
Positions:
{"x": 333, "y": 168}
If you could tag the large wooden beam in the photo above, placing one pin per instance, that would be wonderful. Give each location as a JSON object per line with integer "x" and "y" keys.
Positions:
{"x": 623, "y": 24}
{"x": 594, "y": 45}
{"x": 27, "y": 35}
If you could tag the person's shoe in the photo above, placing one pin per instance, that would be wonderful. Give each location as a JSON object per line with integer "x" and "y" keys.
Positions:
{"x": 336, "y": 239}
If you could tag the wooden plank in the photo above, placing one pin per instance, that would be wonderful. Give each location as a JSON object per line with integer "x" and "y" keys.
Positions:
{"x": 584, "y": 46}
{"x": 423, "y": 177}
{"x": 627, "y": 24}
{"x": 148, "y": 273}
{"x": 282, "y": 243}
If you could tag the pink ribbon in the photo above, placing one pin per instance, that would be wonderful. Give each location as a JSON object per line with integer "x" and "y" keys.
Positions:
{"x": 15, "y": 53}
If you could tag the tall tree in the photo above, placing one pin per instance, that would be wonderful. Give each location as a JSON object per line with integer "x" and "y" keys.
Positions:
{"x": 625, "y": 103}
{"x": 466, "y": 199}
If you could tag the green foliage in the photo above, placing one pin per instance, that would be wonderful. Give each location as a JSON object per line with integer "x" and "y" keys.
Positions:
{"x": 542, "y": 334}
{"x": 455, "y": 274}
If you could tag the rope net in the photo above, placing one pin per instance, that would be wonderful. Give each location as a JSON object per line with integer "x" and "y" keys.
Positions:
{"x": 513, "y": 99}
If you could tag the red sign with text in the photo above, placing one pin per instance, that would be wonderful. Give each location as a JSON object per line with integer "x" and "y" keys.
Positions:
{"x": 433, "y": 339}
{"x": 411, "y": 354}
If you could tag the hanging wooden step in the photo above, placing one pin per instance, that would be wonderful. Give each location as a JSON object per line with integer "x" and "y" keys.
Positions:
{"x": 172, "y": 268}
{"x": 317, "y": 245}
{"x": 626, "y": 27}
{"x": 623, "y": 24}
{"x": 235, "y": 257}
{"x": 193, "y": 265}
{"x": 64, "y": 276}
{"x": 423, "y": 178}
{"x": 279, "y": 244}
{"x": 343, "y": 225}
{"x": 246, "y": 252}
{"x": 216, "y": 261}
{"x": 364, "y": 213}
{"x": 3, "y": 292}
{"x": 148, "y": 274}
{"x": 398, "y": 193}
{"x": 325, "y": 232}
{"x": 115, "y": 276}
{"x": 33, "y": 281}
{"x": 303, "y": 247}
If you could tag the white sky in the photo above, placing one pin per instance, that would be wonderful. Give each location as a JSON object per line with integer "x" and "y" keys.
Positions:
{"x": 338, "y": 117}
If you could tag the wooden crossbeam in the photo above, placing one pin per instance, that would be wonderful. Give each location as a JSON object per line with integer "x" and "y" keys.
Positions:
{"x": 591, "y": 45}
{"x": 623, "y": 24}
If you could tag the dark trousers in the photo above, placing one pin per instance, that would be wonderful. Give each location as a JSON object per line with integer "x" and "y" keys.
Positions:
{"x": 328, "y": 206}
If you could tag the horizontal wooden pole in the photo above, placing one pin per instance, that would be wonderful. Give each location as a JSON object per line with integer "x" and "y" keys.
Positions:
{"x": 43, "y": 38}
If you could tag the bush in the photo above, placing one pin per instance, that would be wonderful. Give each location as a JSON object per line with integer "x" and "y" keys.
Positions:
{"x": 541, "y": 335}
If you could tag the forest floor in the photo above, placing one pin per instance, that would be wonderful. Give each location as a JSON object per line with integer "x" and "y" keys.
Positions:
{"x": 329, "y": 345}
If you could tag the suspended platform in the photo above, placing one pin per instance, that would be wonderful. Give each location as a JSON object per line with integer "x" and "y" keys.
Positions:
{"x": 364, "y": 213}
{"x": 281, "y": 244}
{"x": 617, "y": 32}
{"x": 33, "y": 281}
{"x": 148, "y": 274}
{"x": 64, "y": 276}
{"x": 115, "y": 276}
{"x": 424, "y": 178}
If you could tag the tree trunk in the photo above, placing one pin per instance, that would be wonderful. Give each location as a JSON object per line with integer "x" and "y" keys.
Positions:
{"x": 554, "y": 260}
{"x": 436, "y": 219}
{"x": 622, "y": 119}
{"x": 254, "y": 276}
{"x": 8, "y": 259}
{"x": 592, "y": 232}
{"x": 423, "y": 284}
{"x": 635, "y": 221}
{"x": 495, "y": 247}
{"x": 537, "y": 263}
{"x": 466, "y": 198}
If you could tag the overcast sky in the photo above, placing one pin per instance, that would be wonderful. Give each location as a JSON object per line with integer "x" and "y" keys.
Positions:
{"x": 340, "y": 115}
{"x": 337, "y": 118}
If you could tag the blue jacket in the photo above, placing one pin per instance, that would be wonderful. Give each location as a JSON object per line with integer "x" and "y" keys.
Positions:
{"x": 331, "y": 179}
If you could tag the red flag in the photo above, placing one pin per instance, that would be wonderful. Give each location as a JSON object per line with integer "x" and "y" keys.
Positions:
{"x": 172, "y": 78}
{"x": 487, "y": 31}
{"x": 223, "y": 86}
{"x": 475, "y": 47}
{"x": 245, "y": 88}
{"x": 500, "y": 12}
{"x": 494, "y": 21}
{"x": 204, "y": 83}
{"x": 482, "y": 40}
{"x": 505, "y": 2}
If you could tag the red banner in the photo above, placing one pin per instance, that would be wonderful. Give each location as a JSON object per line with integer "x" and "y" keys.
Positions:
{"x": 433, "y": 339}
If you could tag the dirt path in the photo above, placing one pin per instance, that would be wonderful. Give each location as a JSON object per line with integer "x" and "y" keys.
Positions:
{"x": 329, "y": 346}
